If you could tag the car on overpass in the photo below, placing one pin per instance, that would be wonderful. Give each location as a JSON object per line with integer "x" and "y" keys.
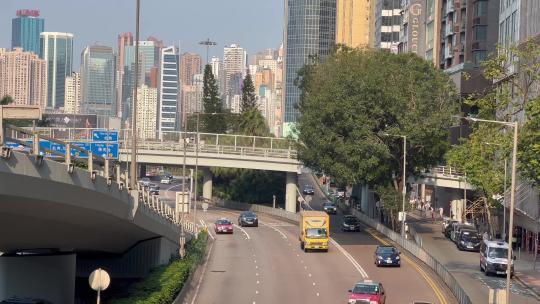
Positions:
{"x": 309, "y": 190}
{"x": 223, "y": 225}
{"x": 350, "y": 223}
{"x": 166, "y": 179}
{"x": 248, "y": 218}
{"x": 387, "y": 256}
{"x": 330, "y": 207}
{"x": 367, "y": 292}
{"x": 145, "y": 181}
{"x": 153, "y": 189}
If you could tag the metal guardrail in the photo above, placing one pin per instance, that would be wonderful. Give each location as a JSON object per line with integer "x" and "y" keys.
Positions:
{"x": 419, "y": 253}
{"x": 445, "y": 170}
{"x": 85, "y": 134}
{"x": 224, "y": 150}
{"x": 295, "y": 217}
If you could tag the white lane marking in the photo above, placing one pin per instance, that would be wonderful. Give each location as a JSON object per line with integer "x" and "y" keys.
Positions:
{"x": 255, "y": 261}
{"x": 256, "y": 267}
{"x": 305, "y": 267}
{"x": 313, "y": 283}
{"x": 258, "y": 282}
{"x": 309, "y": 275}
{"x": 257, "y": 274}
{"x": 203, "y": 223}
{"x": 209, "y": 230}
{"x": 350, "y": 258}
{"x": 256, "y": 292}
{"x": 275, "y": 229}
{"x": 202, "y": 274}
{"x": 317, "y": 294}
{"x": 244, "y": 231}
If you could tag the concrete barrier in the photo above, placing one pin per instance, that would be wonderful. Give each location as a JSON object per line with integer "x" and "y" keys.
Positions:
{"x": 294, "y": 217}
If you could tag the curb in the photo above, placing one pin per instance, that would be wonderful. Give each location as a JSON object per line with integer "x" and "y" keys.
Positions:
{"x": 535, "y": 293}
{"x": 185, "y": 296}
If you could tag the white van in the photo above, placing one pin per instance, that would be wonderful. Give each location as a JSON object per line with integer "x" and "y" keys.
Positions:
{"x": 494, "y": 258}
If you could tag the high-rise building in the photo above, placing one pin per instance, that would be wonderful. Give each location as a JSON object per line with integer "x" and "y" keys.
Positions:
{"x": 217, "y": 70}
{"x": 57, "y": 50}
{"x": 73, "y": 97}
{"x": 147, "y": 104}
{"x": 192, "y": 95}
{"x": 190, "y": 64}
{"x": 518, "y": 21}
{"x": 303, "y": 42}
{"x": 387, "y": 24}
{"x": 264, "y": 77}
{"x": 124, "y": 39}
{"x": 25, "y": 30}
{"x": 98, "y": 68}
{"x": 23, "y": 77}
{"x": 234, "y": 68}
{"x": 169, "y": 91}
{"x": 353, "y": 22}
{"x": 412, "y": 35}
{"x": 128, "y": 81}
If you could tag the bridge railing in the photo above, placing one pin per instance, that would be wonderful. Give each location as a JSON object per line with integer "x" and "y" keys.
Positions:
{"x": 445, "y": 170}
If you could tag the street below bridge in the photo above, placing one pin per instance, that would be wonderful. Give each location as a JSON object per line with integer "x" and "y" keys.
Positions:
{"x": 266, "y": 265}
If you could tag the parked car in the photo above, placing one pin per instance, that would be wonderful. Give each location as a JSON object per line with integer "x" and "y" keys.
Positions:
{"x": 387, "y": 256}
{"x": 350, "y": 223}
{"x": 447, "y": 230}
{"x": 457, "y": 230}
{"x": 330, "y": 207}
{"x": 494, "y": 258}
{"x": 248, "y": 218}
{"x": 367, "y": 292}
{"x": 468, "y": 240}
{"x": 309, "y": 190}
{"x": 223, "y": 225}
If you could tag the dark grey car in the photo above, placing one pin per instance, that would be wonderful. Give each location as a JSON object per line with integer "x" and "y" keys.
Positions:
{"x": 248, "y": 218}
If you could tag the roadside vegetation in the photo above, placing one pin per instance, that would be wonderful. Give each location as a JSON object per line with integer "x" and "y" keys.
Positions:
{"x": 164, "y": 283}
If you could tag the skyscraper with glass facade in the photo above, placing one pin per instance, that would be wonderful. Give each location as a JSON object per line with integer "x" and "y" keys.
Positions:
{"x": 98, "y": 69}
{"x": 310, "y": 32}
{"x": 25, "y": 30}
{"x": 57, "y": 50}
{"x": 169, "y": 89}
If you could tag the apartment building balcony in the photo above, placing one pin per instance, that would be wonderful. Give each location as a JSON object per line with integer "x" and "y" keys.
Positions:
{"x": 450, "y": 8}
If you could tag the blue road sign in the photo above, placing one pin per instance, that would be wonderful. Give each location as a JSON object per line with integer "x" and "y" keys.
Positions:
{"x": 99, "y": 135}
{"x": 105, "y": 150}
{"x": 77, "y": 153}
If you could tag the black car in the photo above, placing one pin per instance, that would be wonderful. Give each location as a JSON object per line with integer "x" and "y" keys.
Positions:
{"x": 350, "y": 223}
{"x": 448, "y": 228}
{"x": 153, "y": 189}
{"x": 309, "y": 190}
{"x": 248, "y": 218}
{"x": 468, "y": 240}
{"x": 330, "y": 208}
{"x": 387, "y": 256}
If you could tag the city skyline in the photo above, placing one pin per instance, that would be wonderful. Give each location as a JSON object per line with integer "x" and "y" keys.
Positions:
{"x": 185, "y": 28}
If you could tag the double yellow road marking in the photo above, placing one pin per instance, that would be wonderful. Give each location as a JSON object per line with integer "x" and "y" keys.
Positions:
{"x": 426, "y": 277}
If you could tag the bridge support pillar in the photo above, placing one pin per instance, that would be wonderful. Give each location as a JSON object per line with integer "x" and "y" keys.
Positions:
{"x": 290, "y": 192}
{"x": 50, "y": 277}
{"x": 207, "y": 183}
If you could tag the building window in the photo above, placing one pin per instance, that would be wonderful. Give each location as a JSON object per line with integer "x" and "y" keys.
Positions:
{"x": 478, "y": 57}
{"x": 480, "y": 8}
{"x": 430, "y": 7}
{"x": 480, "y": 33}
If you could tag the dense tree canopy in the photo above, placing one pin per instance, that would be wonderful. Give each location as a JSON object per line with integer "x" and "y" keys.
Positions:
{"x": 212, "y": 104}
{"x": 249, "y": 99}
{"x": 354, "y": 97}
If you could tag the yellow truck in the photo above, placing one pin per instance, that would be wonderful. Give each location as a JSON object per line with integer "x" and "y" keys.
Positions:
{"x": 314, "y": 230}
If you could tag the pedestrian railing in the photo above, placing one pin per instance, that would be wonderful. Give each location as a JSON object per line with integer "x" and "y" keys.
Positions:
{"x": 417, "y": 251}
{"x": 445, "y": 170}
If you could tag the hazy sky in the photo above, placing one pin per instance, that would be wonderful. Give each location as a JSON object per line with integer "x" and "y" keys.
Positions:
{"x": 254, "y": 24}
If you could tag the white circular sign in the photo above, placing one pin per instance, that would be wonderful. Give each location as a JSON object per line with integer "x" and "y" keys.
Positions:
{"x": 99, "y": 279}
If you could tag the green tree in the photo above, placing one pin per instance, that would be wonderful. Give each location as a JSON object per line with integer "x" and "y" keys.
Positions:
{"x": 212, "y": 104}
{"x": 355, "y": 96}
{"x": 249, "y": 100}
{"x": 251, "y": 123}
{"x": 6, "y": 100}
{"x": 515, "y": 71}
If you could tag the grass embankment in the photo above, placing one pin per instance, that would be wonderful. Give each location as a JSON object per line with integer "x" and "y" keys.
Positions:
{"x": 163, "y": 283}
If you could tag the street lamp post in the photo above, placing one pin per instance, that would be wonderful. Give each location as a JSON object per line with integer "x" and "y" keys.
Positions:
{"x": 133, "y": 175}
{"x": 512, "y": 196}
{"x": 504, "y": 191}
{"x": 404, "y": 177}
{"x": 208, "y": 43}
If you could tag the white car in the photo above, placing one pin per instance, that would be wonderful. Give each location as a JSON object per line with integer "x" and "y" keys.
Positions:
{"x": 166, "y": 180}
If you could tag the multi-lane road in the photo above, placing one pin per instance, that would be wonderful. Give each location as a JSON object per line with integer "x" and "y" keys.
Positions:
{"x": 266, "y": 265}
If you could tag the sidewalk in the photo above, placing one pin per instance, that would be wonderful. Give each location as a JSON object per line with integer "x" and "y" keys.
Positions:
{"x": 524, "y": 272}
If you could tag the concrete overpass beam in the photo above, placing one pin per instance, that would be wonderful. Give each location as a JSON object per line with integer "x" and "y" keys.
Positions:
{"x": 290, "y": 192}
{"x": 207, "y": 183}
{"x": 50, "y": 277}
